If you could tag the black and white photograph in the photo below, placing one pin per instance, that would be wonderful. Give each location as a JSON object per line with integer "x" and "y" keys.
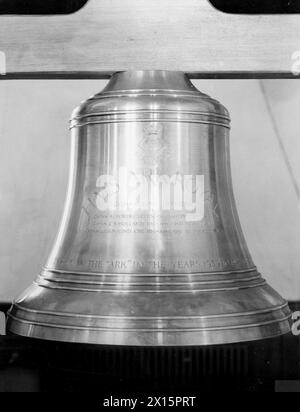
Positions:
{"x": 149, "y": 200}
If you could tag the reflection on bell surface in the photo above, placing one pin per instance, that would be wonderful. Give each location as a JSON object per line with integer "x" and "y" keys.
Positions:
{"x": 150, "y": 250}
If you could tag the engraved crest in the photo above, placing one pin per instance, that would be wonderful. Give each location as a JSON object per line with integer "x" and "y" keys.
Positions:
{"x": 154, "y": 147}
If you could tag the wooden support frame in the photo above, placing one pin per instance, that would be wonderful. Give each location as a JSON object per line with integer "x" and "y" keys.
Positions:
{"x": 111, "y": 35}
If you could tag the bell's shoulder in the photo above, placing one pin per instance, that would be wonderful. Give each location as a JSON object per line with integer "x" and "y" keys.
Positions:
{"x": 147, "y": 100}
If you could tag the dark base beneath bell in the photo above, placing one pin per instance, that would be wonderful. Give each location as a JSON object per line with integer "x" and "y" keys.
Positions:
{"x": 152, "y": 371}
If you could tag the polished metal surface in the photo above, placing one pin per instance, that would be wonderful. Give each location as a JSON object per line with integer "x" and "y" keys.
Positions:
{"x": 150, "y": 249}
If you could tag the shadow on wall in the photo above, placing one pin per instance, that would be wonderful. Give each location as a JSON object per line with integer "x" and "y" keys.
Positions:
{"x": 35, "y": 159}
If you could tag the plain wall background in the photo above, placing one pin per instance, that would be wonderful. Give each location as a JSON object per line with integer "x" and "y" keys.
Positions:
{"x": 34, "y": 161}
